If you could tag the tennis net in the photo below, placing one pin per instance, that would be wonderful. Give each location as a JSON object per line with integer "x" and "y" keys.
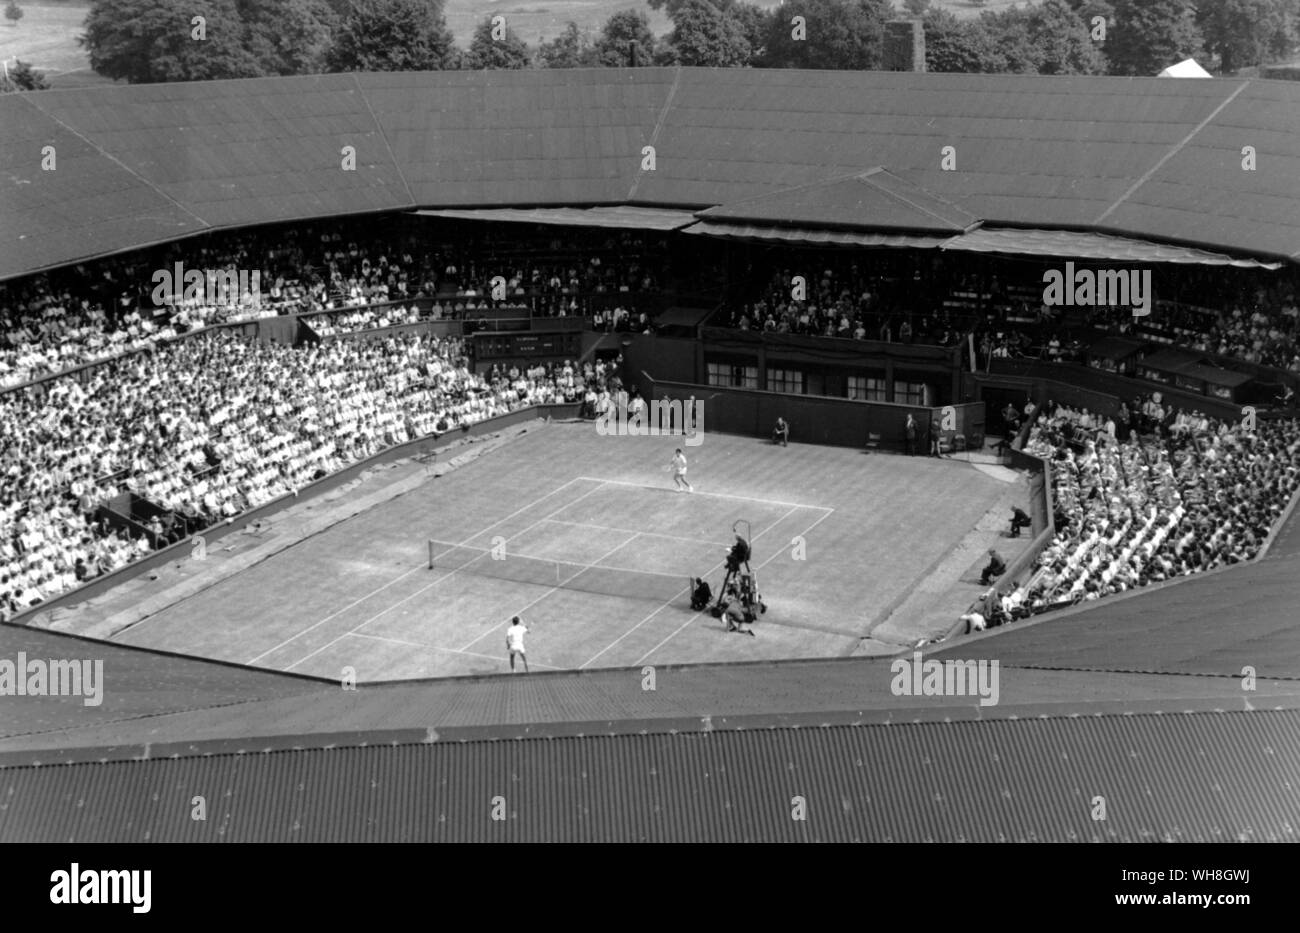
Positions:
{"x": 567, "y": 575}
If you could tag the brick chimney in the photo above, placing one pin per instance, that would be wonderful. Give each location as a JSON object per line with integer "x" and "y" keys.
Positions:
{"x": 904, "y": 45}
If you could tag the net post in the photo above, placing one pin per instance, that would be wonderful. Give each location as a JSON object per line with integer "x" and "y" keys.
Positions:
{"x": 430, "y": 553}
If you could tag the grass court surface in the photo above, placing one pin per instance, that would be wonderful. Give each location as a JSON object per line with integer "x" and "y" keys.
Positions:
{"x": 361, "y": 595}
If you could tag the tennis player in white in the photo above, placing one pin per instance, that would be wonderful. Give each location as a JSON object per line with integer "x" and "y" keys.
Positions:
{"x": 515, "y": 643}
{"x": 679, "y": 471}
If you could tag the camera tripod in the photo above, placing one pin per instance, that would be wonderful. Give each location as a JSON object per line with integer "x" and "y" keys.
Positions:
{"x": 740, "y": 578}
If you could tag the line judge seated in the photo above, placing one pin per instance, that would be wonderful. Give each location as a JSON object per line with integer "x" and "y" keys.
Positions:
{"x": 996, "y": 568}
{"x": 781, "y": 433}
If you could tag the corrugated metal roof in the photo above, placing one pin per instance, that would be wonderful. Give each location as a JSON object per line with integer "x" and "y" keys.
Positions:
{"x": 870, "y": 200}
{"x": 1095, "y": 246}
{"x": 637, "y": 218}
{"x": 1202, "y": 777}
{"x": 1143, "y": 157}
{"x": 813, "y": 236}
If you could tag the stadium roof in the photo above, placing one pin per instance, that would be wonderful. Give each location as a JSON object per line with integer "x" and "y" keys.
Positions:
{"x": 1141, "y": 157}
{"x": 874, "y": 198}
{"x": 1207, "y": 777}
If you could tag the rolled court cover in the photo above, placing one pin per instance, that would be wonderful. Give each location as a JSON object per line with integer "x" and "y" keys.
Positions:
{"x": 540, "y": 571}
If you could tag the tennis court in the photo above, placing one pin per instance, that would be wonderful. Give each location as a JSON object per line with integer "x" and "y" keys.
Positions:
{"x": 584, "y": 537}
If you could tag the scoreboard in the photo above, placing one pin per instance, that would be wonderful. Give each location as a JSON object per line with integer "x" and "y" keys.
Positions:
{"x": 528, "y": 345}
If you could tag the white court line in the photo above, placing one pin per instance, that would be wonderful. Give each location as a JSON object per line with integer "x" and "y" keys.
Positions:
{"x": 716, "y": 495}
{"x": 774, "y": 556}
{"x": 712, "y": 569}
{"x": 627, "y": 531}
{"x": 350, "y": 605}
{"x": 474, "y": 654}
{"x": 585, "y": 568}
{"x": 450, "y": 573}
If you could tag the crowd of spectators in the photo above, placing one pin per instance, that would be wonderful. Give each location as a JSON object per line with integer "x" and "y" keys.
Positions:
{"x": 54, "y": 322}
{"x": 845, "y": 300}
{"x": 366, "y": 317}
{"x": 44, "y": 333}
{"x": 1235, "y": 314}
{"x": 218, "y": 424}
{"x": 1149, "y": 494}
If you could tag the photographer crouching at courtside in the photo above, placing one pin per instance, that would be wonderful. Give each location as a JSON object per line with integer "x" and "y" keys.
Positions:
{"x": 734, "y": 613}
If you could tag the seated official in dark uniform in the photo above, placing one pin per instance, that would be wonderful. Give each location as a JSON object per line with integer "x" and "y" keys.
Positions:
{"x": 781, "y": 433}
{"x": 996, "y": 568}
{"x": 700, "y": 594}
{"x": 1019, "y": 520}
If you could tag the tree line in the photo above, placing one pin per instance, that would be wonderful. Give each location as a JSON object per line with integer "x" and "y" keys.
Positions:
{"x": 155, "y": 40}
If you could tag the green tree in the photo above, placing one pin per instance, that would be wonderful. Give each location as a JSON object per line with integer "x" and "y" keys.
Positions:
{"x": 842, "y": 34}
{"x": 570, "y": 49}
{"x": 154, "y": 40}
{"x": 1242, "y": 33}
{"x": 13, "y": 12}
{"x": 288, "y": 37}
{"x": 1016, "y": 52}
{"x": 1087, "y": 9}
{"x": 613, "y": 48}
{"x": 486, "y": 50}
{"x": 704, "y": 35}
{"x": 22, "y": 77}
{"x": 959, "y": 46}
{"x": 1148, "y": 36}
{"x": 1063, "y": 40}
{"x": 752, "y": 18}
{"x": 753, "y": 23}
{"x": 393, "y": 35}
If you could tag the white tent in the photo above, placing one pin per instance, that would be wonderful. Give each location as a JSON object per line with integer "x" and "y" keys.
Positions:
{"x": 1185, "y": 69}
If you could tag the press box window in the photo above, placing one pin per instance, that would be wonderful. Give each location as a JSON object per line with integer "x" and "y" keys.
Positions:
{"x": 727, "y": 374}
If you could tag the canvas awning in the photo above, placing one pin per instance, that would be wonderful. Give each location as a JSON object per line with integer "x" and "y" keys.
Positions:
{"x": 814, "y": 237}
{"x": 682, "y": 317}
{"x": 639, "y": 218}
{"x": 1114, "y": 348}
{"x": 1068, "y": 244}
